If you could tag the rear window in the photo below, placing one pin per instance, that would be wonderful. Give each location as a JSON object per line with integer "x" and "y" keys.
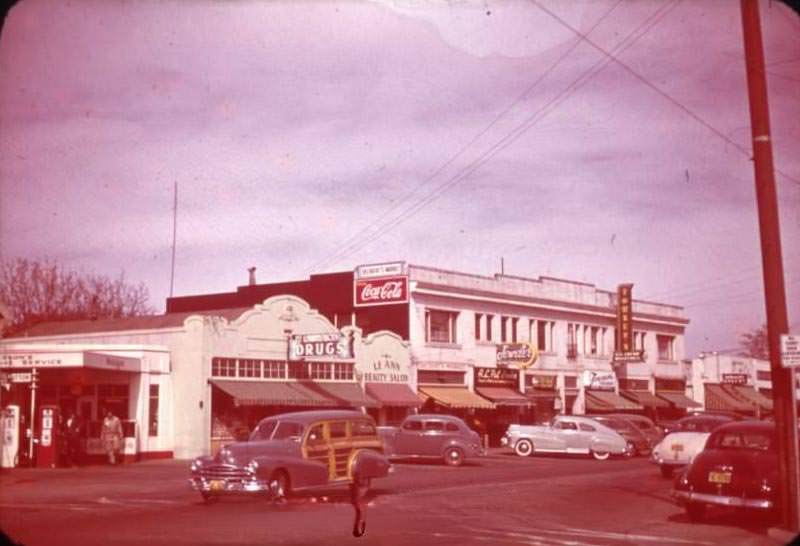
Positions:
{"x": 742, "y": 440}
{"x": 452, "y": 427}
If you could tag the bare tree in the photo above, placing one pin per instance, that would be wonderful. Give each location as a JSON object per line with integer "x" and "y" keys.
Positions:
{"x": 754, "y": 344}
{"x": 35, "y": 291}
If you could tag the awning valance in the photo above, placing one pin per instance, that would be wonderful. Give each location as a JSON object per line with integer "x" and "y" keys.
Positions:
{"x": 608, "y": 400}
{"x": 271, "y": 393}
{"x": 393, "y": 394}
{"x": 646, "y": 399}
{"x": 456, "y": 397}
{"x": 678, "y": 400}
{"x": 503, "y": 396}
{"x": 717, "y": 398}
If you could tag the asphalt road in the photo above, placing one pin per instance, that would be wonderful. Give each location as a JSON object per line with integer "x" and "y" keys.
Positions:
{"x": 503, "y": 499}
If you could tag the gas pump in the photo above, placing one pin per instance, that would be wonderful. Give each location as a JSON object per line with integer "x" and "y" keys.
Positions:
{"x": 9, "y": 435}
{"x": 47, "y": 447}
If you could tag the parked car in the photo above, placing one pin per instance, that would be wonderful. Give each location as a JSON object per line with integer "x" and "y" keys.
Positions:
{"x": 678, "y": 448}
{"x": 637, "y": 441}
{"x": 738, "y": 468}
{"x": 432, "y": 436}
{"x": 566, "y": 434}
{"x": 653, "y": 433}
{"x": 293, "y": 452}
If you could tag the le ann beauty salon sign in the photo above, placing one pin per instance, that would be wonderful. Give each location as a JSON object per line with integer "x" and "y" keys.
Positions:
{"x": 386, "y": 369}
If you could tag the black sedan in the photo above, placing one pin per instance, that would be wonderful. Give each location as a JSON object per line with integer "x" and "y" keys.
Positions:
{"x": 737, "y": 468}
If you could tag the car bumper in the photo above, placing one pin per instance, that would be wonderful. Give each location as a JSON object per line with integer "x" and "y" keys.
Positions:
{"x": 199, "y": 483}
{"x": 672, "y": 463}
{"x": 690, "y": 497}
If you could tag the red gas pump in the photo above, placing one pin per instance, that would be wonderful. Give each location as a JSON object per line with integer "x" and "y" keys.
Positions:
{"x": 47, "y": 447}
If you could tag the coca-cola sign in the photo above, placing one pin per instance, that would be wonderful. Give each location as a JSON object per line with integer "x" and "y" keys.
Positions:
{"x": 380, "y": 291}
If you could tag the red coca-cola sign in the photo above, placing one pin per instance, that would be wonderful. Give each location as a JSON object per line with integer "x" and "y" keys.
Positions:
{"x": 380, "y": 291}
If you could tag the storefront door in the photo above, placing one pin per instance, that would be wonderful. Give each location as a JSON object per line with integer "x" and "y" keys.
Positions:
{"x": 86, "y": 408}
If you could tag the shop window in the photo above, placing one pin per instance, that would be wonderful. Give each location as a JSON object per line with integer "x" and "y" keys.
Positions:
{"x": 665, "y": 347}
{"x": 440, "y": 326}
{"x": 343, "y": 371}
{"x": 320, "y": 370}
{"x": 152, "y": 416}
{"x": 249, "y": 368}
{"x": 274, "y": 369}
{"x": 570, "y": 382}
{"x": 223, "y": 367}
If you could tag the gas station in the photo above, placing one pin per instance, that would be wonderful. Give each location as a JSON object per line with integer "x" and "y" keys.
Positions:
{"x": 42, "y": 384}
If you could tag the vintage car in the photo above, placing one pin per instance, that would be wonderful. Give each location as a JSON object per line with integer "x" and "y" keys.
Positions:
{"x": 432, "y": 436}
{"x": 653, "y": 433}
{"x": 566, "y": 434}
{"x": 678, "y": 448}
{"x": 637, "y": 441}
{"x": 293, "y": 452}
{"x": 738, "y": 468}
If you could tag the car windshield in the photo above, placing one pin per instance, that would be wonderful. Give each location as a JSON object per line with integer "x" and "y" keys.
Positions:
{"x": 263, "y": 431}
{"x": 742, "y": 440}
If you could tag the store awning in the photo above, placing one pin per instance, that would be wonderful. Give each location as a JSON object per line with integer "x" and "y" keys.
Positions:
{"x": 679, "y": 400}
{"x": 608, "y": 400}
{"x": 393, "y": 394}
{"x": 751, "y": 395}
{"x": 718, "y": 398}
{"x": 646, "y": 399}
{"x": 271, "y": 393}
{"x": 503, "y": 396}
{"x": 456, "y": 397}
{"x": 348, "y": 395}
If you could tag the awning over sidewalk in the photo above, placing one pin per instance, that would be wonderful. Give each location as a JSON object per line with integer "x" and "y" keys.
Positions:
{"x": 679, "y": 400}
{"x": 346, "y": 395}
{"x": 607, "y": 401}
{"x": 393, "y": 394}
{"x": 718, "y": 398}
{"x": 645, "y": 399}
{"x": 749, "y": 394}
{"x": 270, "y": 393}
{"x": 456, "y": 397}
{"x": 503, "y": 396}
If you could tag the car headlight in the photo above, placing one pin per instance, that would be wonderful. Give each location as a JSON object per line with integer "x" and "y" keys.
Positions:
{"x": 195, "y": 466}
{"x": 252, "y": 467}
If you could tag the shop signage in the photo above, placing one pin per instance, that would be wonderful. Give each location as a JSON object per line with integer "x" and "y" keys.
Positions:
{"x": 547, "y": 382}
{"x": 320, "y": 345}
{"x": 735, "y": 378}
{"x": 385, "y": 370}
{"x": 522, "y": 355}
{"x": 497, "y": 377}
{"x": 34, "y": 361}
{"x": 380, "y": 291}
{"x": 624, "y": 350}
{"x": 425, "y": 365}
{"x": 106, "y": 361}
{"x": 790, "y": 350}
{"x": 19, "y": 377}
{"x": 623, "y": 357}
{"x": 390, "y": 269}
{"x": 605, "y": 381}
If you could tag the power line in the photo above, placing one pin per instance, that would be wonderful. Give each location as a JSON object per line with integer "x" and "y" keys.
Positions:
{"x": 657, "y": 89}
{"x": 512, "y": 136}
{"x": 353, "y": 239}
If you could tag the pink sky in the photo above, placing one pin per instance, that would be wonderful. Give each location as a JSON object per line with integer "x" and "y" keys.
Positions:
{"x": 317, "y": 136}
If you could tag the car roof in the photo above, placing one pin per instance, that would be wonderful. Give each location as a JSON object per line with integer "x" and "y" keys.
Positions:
{"x": 750, "y": 425}
{"x": 440, "y": 416}
{"x": 705, "y": 417}
{"x": 317, "y": 415}
{"x": 632, "y": 417}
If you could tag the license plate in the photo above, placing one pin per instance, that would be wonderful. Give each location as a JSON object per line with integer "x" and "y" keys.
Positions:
{"x": 216, "y": 485}
{"x": 719, "y": 477}
{"x": 677, "y": 447}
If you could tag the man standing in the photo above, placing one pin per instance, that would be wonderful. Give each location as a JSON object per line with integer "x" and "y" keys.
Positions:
{"x": 111, "y": 436}
{"x": 72, "y": 439}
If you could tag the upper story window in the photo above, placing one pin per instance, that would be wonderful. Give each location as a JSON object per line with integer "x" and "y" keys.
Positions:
{"x": 543, "y": 334}
{"x": 478, "y": 323}
{"x": 638, "y": 341}
{"x": 320, "y": 370}
{"x": 274, "y": 369}
{"x": 249, "y": 368}
{"x": 489, "y": 321}
{"x": 343, "y": 371}
{"x": 223, "y": 367}
{"x": 763, "y": 375}
{"x": 572, "y": 340}
{"x": 666, "y": 349}
{"x": 440, "y": 326}
{"x": 505, "y": 322}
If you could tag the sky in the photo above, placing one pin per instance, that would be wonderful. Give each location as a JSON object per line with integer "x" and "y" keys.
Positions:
{"x": 597, "y": 141}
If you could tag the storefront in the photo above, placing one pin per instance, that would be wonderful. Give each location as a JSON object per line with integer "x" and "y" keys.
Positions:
{"x": 49, "y": 382}
{"x": 735, "y": 395}
{"x": 541, "y": 391}
{"x": 443, "y": 389}
{"x": 637, "y": 390}
{"x": 673, "y": 391}
{"x": 501, "y": 387}
{"x": 601, "y": 397}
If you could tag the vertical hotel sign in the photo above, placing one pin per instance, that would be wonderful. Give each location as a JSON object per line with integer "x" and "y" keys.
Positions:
{"x": 380, "y": 284}
{"x": 624, "y": 350}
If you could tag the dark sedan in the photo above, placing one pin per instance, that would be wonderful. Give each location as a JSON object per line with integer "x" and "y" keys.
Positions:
{"x": 738, "y": 468}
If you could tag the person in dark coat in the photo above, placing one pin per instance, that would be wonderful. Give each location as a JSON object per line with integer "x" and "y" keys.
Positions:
{"x": 72, "y": 439}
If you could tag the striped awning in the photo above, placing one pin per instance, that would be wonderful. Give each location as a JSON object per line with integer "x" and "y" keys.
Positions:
{"x": 393, "y": 394}
{"x": 645, "y": 398}
{"x": 717, "y": 398}
{"x": 751, "y": 395}
{"x": 608, "y": 401}
{"x": 677, "y": 399}
{"x": 455, "y": 397}
{"x": 271, "y": 393}
{"x": 346, "y": 395}
{"x": 503, "y": 396}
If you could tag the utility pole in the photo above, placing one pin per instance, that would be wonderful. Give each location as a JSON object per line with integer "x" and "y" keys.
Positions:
{"x": 783, "y": 381}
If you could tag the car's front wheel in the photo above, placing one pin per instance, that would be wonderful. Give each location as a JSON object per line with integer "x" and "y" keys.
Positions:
{"x": 279, "y": 486}
{"x": 630, "y": 450}
{"x": 524, "y": 448}
{"x": 453, "y": 456}
{"x": 600, "y": 454}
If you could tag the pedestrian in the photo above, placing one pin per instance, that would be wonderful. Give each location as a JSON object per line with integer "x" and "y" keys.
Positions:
{"x": 72, "y": 439}
{"x": 111, "y": 435}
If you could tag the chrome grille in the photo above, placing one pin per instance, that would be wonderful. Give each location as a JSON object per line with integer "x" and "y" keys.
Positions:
{"x": 223, "y": 472}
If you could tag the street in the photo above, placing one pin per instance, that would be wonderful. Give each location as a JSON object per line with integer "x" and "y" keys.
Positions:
{"x": 502, "y": 499}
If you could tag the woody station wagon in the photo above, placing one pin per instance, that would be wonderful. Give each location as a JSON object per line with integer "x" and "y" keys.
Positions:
{"x": 294, "y": 452}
